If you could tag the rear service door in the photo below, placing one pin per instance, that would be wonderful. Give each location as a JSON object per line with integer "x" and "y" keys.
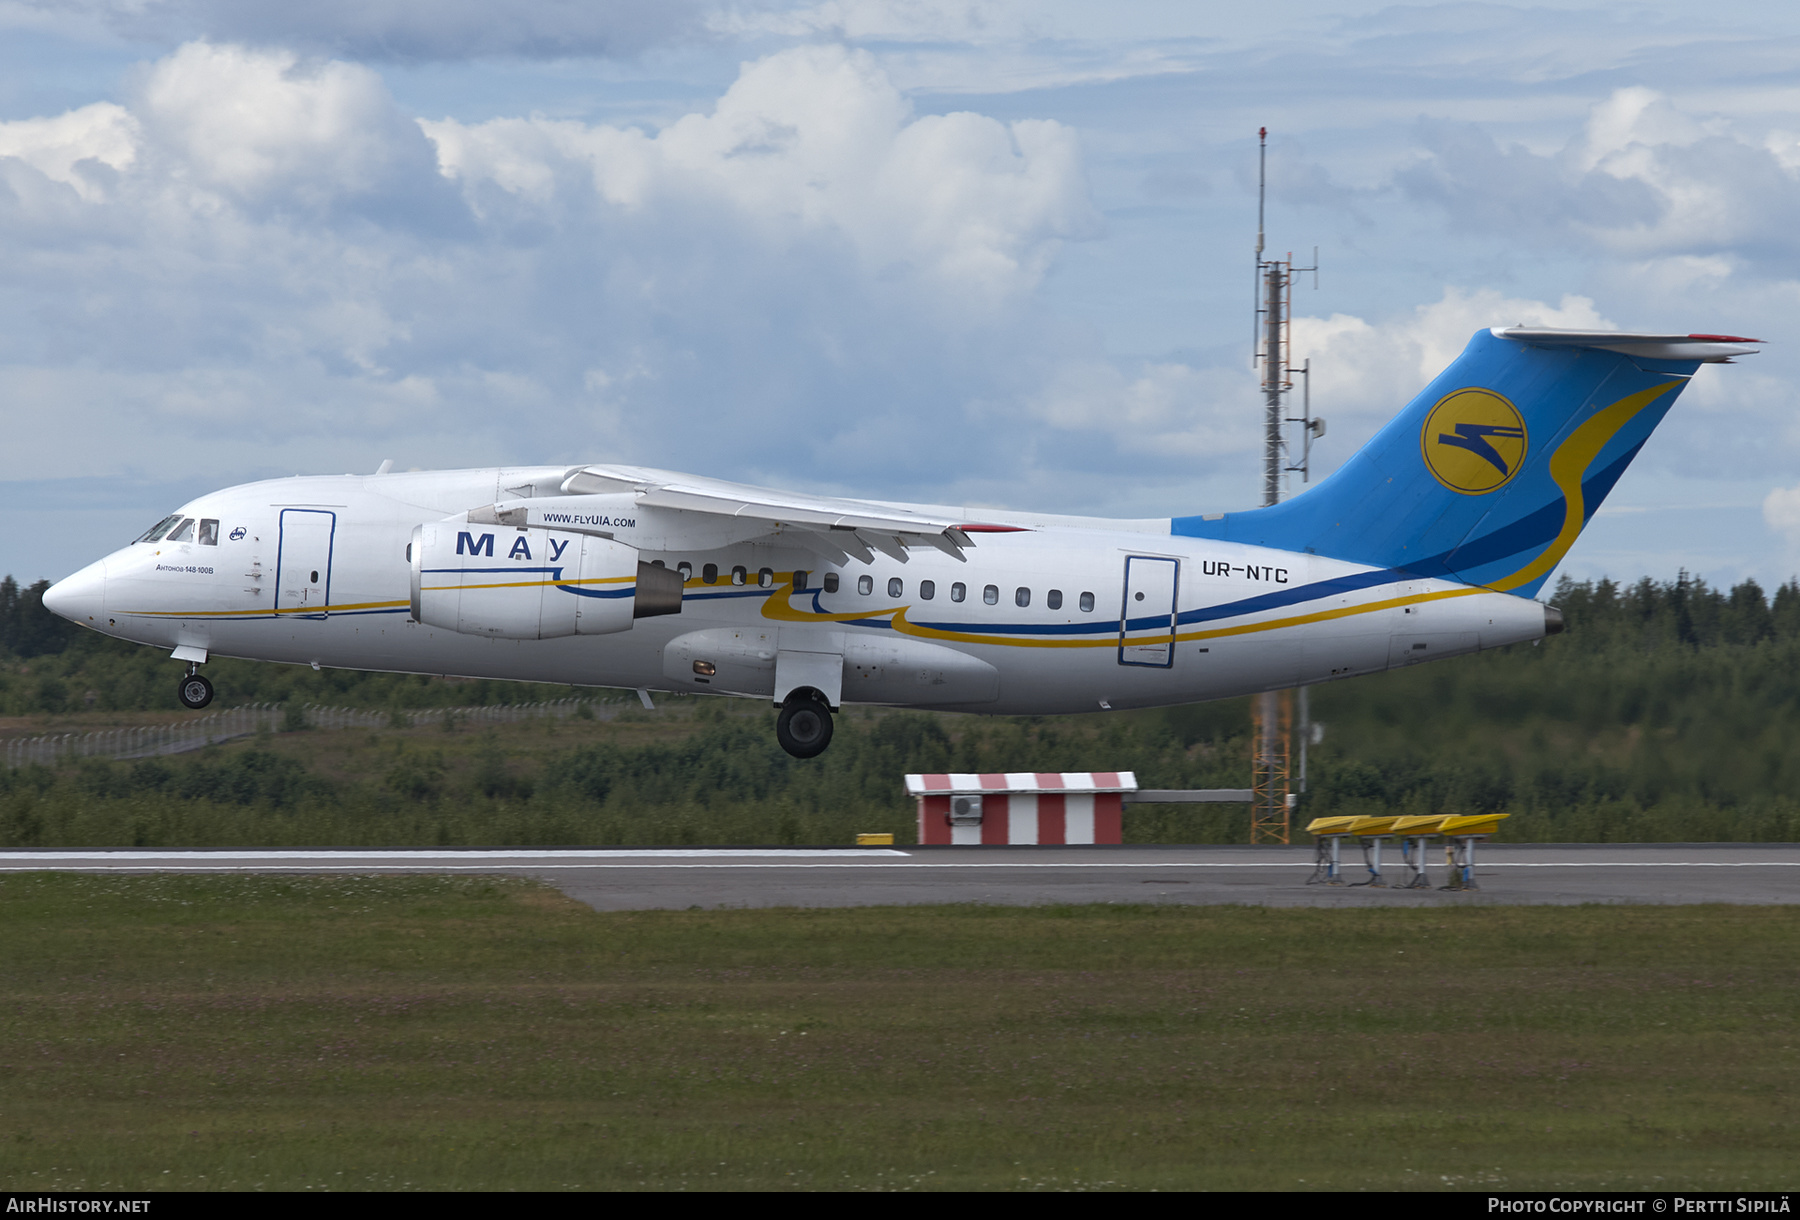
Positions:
{"x": 1147, "y": 619}
{"x": 303, "y": 575}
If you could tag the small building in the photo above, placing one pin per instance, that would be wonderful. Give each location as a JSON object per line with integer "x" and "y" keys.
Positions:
{"x": 1021, "y": 807}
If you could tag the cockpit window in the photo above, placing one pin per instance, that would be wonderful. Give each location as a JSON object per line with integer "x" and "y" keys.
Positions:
{"x": 209, "y": 532}
{"x": 156, "y": 531}
{"x": 182, "y": 533}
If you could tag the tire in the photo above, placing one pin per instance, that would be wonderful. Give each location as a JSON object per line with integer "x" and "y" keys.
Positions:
{"x": 804, "y": 726}
{"x": 194, "y": 692}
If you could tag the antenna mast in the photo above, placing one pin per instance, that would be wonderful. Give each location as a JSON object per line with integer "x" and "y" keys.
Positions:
{"x": 1272, "y": 712}
{"x": 1274, "y": 348}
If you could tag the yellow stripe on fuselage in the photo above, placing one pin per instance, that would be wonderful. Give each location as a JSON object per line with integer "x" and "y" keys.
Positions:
{"x": 777, "y": 607}
{"x": 259, "y": 613}
{"x": 900, "y": 623}
{"x": 1324, "y": 615}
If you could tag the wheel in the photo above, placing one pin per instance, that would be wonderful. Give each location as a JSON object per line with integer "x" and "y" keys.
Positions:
{"x": 804, "y": 726}
{"x": 194, "y": 692}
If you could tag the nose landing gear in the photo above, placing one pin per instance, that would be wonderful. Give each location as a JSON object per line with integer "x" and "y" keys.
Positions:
{"x": 804, "y": 726}
{"x": 194, "y": 691}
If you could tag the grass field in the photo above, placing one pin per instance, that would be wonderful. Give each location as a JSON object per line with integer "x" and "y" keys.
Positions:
{"x": 321, "y": 1033}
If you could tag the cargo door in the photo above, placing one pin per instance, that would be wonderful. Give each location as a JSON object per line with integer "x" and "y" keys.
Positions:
{"x": 1147, "y": 618}
{"x": 303, "y": 563}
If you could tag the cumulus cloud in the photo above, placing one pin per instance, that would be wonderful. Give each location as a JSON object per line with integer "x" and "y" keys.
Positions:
{"x": 1641, "y": 178}
{"x": 216, "y": 126}
{"x": 260, "y": 254}
{"x": 814, "y": 140}
{"x": 257, "y": 124}
{"x": 69, "y": 147}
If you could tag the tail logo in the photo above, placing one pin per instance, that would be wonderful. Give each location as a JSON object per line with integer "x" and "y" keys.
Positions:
{"x": 1473, "y": 441}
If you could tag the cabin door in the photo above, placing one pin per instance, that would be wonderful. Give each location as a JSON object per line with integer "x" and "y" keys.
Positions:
{"x": 303, "y": 573}
{"x": 1147, "y": 619}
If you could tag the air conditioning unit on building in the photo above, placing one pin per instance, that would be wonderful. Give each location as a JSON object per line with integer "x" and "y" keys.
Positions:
{"x": 965, "y": 811}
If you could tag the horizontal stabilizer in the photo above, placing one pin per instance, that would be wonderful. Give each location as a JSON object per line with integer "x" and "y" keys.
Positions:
{"x": 1704, "y": 349}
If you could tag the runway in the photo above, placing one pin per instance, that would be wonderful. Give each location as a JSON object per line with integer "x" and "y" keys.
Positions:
{"x": 627, "y": 879}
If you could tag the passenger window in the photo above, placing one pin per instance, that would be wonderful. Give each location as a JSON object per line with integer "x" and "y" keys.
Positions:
{"x": 710, "y": 573}
{"x": 1054, "y": 599}
{"x": 927, "y": 589}
{"x": 1021, "y": 596}
{"x": 209, "y": 531}
{"x": 740, "y": 575}
{"x": 686, "y": 570}
{"x": 1087, "y": 602}
{"x": 183, "y": 532}
{"x": 156, "y": 531}
{"x": 991, "y": 595}
{"x": 865, "y": 585}
{"x": 765, "y": 577}
{"x": 896, "y": 587}
{"x": 800, "y": 581}
{"x": 958, "y": 591}
{"x": 831, "y": 582}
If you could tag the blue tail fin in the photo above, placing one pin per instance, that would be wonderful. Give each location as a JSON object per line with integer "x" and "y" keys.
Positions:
{"x": 1490, "y": 475}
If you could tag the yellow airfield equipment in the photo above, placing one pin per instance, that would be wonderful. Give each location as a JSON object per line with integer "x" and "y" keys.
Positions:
{"x": 1414, "y": 832}
{"x": 1474, "y": 824}
{"x": 1372, "y": 832}
{"x": 1329, "y": 835}
{"x": 1460, "y": 833}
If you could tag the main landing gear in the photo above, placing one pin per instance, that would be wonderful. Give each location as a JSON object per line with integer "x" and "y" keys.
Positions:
{"x": 804, "y": 726}
{"x": 196, "y": 692}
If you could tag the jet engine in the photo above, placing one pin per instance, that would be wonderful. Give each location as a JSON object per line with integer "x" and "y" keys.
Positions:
{"x": 533, "y": 584}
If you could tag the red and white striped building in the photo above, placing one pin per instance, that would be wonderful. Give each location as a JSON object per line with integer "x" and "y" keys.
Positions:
{"x": 1014, "y": 807}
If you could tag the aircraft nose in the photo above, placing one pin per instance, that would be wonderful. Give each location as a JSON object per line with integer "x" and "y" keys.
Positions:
{"x": 80, "y": 598}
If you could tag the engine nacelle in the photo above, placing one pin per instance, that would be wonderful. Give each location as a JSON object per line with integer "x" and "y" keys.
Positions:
{"x": 533, "y": 584}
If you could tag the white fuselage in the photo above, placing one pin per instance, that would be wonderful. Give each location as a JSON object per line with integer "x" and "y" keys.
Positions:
{"x": 317, "y": 570}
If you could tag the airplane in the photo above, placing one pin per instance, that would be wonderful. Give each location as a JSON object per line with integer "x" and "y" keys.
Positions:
{"x": 1432, "y": 541}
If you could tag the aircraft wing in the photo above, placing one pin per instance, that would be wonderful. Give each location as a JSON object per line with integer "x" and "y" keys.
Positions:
{"x": 853, "y": 527}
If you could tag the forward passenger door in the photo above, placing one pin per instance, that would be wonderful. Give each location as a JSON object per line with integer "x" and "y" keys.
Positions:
{"x": 303, "y": 563}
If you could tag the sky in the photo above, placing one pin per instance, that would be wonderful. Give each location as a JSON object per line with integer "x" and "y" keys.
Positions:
{"x": 950, "y": 251}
